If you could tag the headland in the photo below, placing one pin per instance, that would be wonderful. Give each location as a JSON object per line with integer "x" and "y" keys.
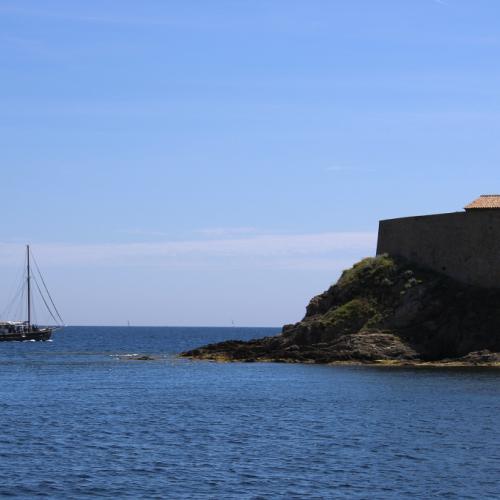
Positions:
{"x": 383, "y": 311}
{"x": 431, "y": 297}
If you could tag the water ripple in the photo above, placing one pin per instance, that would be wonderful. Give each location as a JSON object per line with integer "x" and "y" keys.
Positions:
{"x": 76, "y": 423}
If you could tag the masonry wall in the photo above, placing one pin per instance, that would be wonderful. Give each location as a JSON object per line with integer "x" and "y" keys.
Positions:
{"x": 463, "y": 245}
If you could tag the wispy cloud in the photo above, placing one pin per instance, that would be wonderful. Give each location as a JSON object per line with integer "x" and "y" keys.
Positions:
{"x": 347, "y": 168}
{"x": 144, "y": 233}
{"x": 227, "y": 231}
{"x": 298, "y": 251}
{"x": 162, "y": 15}
{"x": 143, "y": 16}
{"x": 82, "y": 17}
{"x": 207, "y": 232}
{"x": 28, "y": 45}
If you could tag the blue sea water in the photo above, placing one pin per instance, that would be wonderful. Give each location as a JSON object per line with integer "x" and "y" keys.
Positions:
{"x": 79, "y": 421}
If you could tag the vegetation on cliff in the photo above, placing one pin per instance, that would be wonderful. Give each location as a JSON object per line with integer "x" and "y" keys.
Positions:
{"x": 383, "y": 310}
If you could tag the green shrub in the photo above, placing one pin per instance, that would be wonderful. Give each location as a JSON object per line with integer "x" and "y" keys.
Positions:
{"x": 368, "y": 272}
{"x": 348, "y": 318}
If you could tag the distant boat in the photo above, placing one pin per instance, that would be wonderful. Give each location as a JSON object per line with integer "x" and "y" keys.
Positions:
{"x": 26, "y": 330}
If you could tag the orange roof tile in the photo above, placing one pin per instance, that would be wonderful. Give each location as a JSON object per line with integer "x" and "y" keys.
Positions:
{"x": 485, "y": 201}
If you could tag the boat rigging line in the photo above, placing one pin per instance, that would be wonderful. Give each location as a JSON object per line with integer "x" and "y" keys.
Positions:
{"x": 47, "y": 291}
{"x": 44, "y": 301}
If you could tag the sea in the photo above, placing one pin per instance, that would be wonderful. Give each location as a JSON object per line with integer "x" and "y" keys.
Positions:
{"x": 81, "y": 418}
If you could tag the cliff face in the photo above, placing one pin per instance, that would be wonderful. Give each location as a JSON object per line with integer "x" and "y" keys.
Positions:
{"x": 383, "y": 309}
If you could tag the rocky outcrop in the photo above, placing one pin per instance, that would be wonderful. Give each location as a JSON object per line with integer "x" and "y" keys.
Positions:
{"x": 383, "y": 310}
{"x": 136, "y": 357}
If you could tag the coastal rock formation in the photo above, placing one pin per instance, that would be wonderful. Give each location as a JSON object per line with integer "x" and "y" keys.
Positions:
{"x": 383, "y": 310}
{"x": 136, "y": 357}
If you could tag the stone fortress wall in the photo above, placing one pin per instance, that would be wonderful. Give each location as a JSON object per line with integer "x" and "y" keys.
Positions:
{"x": 462, "y": 245}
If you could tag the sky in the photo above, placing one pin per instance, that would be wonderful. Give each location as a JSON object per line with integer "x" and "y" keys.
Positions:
{"x": 184, "y": 162}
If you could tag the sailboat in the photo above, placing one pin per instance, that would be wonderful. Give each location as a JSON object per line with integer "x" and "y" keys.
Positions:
{"x": 27, "y": 330}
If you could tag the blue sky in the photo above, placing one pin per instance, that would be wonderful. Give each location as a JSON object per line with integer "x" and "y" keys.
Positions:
{"x": 194, "y": 163}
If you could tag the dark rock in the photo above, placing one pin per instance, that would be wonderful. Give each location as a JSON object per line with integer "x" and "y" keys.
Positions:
{"x": 137, "y": 357}
{"x": 482, "y": 357}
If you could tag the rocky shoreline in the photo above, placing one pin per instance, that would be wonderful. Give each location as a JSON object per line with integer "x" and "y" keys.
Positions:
{"x": 226, "y": 354}
{"x": 383, "y": 312}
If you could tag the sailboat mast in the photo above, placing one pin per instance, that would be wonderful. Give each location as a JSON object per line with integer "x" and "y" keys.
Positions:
{"x": 29, "y": 284}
